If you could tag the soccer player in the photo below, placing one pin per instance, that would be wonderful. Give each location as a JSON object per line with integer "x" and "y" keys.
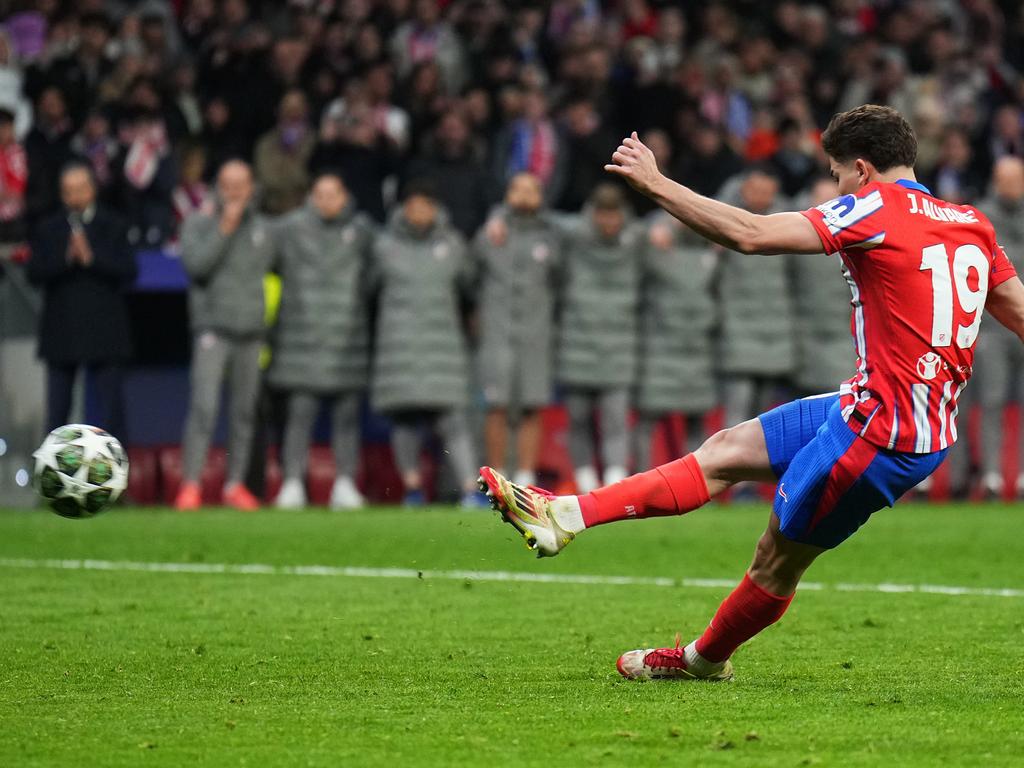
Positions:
{"x": 921, "y": 272}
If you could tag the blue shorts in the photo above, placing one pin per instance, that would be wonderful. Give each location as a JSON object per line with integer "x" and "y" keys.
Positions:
{"x": 831, "y": 480}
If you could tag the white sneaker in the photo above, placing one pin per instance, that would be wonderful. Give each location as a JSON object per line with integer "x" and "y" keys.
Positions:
{"x": 586, "y": 480}
{"x": 614, "y": 475}
{"x": 345, "y": 495}
{"x": 292, "y": 495}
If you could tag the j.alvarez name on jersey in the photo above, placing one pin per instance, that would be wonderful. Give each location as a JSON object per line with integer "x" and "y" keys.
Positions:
{"x": 925, "y": 207}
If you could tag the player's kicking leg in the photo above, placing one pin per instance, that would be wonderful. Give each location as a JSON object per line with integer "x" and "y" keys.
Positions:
{"x": 549, "y": 523}
{"x": 831, "y": 481}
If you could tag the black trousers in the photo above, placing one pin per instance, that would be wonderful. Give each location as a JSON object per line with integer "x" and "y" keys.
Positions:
{"x": 107, "y": 384}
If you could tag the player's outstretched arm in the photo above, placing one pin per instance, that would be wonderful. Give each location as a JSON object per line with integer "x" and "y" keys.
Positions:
{"x": 735, "y": 228}
{"x": 1006, "y": 304}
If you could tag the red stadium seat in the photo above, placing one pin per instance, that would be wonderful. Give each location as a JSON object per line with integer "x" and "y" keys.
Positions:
{"x": 143, "y": 476}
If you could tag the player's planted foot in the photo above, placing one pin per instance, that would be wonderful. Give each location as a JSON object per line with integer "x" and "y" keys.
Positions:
{"x": 530, "y": 510}
{"x": 670, "y": 664}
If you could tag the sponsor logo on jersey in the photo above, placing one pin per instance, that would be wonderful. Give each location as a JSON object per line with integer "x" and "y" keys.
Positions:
{"x": 928, "y": 365}
{"x": 847, "y": 210}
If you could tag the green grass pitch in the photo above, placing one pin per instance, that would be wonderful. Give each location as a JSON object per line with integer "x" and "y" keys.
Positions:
{"x": 134, "y": 668}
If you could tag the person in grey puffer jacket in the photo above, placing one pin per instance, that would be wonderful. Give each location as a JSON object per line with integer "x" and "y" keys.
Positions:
{"x": 226, "y": 255}
{"x": 597, "y": 347}
{"x": 999, "y": 363}
{"x": 420, "y": 377}
{"x": 321, "y": 339}
{"x": 517, "y": 300}
{"x": 758, "y": 350}
{"x": 821, "y": 296}
{"x": 678, "y": 318}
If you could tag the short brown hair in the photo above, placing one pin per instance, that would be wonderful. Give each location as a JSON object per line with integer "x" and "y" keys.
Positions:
{"x": 607, "y": 197}
{"x": 874, "y": 133}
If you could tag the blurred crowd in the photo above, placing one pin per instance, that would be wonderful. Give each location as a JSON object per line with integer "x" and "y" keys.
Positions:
{"x": 425, "y": 177}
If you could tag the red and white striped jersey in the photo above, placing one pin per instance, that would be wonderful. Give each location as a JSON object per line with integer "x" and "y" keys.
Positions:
{"x": 919, "y": 270}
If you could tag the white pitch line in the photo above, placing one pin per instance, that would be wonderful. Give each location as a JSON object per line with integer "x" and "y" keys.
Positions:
{"x": 264, "y": 569}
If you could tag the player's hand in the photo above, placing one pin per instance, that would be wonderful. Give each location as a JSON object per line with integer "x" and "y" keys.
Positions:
{"x": 497, "y": 231}
{"x": 634, "y": 162}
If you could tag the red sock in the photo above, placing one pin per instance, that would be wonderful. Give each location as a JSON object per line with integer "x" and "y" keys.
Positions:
{"x": 671, "y": 489}
{"x": 745, "y": 612}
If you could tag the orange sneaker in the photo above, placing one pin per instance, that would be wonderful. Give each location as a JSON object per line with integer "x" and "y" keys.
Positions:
{"x": 189, "y": 498}
{"x": 238, "y": 496}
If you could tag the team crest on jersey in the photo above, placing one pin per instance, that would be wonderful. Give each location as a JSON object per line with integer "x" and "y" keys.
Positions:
{"x": 928, "y": 365}
{"x": 441, "y": 251}
{"x": 540, "y": 253}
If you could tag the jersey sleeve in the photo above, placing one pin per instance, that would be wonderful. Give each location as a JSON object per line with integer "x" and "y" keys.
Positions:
{"x": 849, "y": 221}
{"x": 1002, "y": 267}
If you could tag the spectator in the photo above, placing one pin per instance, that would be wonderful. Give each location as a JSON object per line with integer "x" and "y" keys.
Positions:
{"x": 516, "y": 336}
{"x": 425, "y": 98}
{"x": 184, "y": 113}
{"x": 532, "y": 143}
{"x": 282, "y": 156}
{"x": 452, "y": 164}
{"x": 96, "y": 145}
{"x": 13, "y": 180}
{"x": 757, "y": 342}
{"x": 48, "y": 149}
{"x": 597, "y": 346}
{"x": 321, "y": 340}
{"x": 352, "y": 145}
{"x": 192, "y": 195}
{"x": 708, "y": 163}
{"x": 420, "y": 369}
{"x": 79, "y": 74}
{"x": 12, "y": 97}
{"x": 678, "y": 317}
{"x": 1007, "y": 133}
{"x": 392, "y": 121}
{"x": 146, "y": 178}
{"x": 1000, "y": 358}
{"x": 821, "y": 297}
{"x": 794, "y": 161}
{"x": 955, "y": 178}
{"x": 219, "y": 137}
{"x": 588, "y": 145}
{"x": 80, "y": 257}
{"x": 428, "y": 38}
{"x": 226, "y": 254}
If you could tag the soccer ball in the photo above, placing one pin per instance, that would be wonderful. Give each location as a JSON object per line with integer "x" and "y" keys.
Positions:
{"x": 80, "y": 470}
